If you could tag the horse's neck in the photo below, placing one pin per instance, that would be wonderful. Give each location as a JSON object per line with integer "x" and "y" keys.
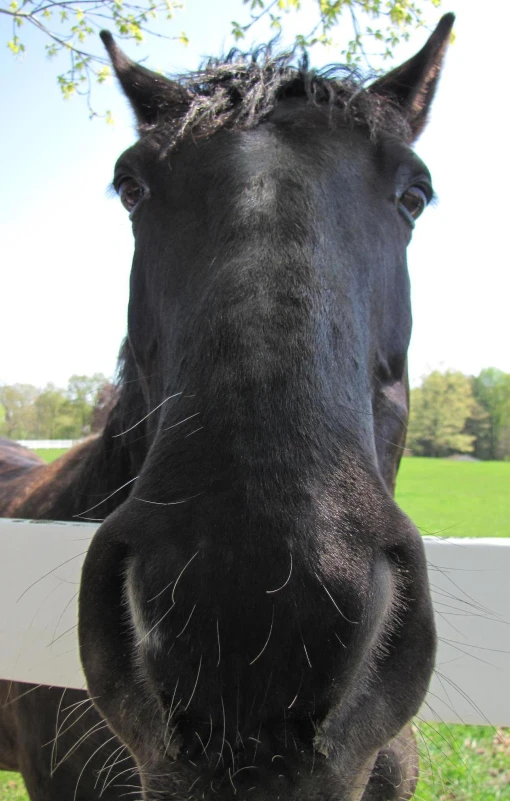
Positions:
{"x": 76, "y": 486}
{"x": 15, "y": 460}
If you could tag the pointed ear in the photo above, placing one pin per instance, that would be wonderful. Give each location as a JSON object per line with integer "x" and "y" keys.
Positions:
{"x": 150, "y": 94}
{"x": 413, "y": 85}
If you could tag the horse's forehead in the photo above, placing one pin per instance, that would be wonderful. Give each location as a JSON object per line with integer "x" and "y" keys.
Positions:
{"x": 315, "y": 129}
{"x": 320, "y": 118}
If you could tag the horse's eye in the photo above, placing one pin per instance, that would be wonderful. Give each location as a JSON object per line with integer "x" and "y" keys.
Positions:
{"x": 412, "y": 203}
{"x": 130, "y": 193}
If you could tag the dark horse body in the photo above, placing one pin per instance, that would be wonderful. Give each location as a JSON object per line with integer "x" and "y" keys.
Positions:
{"x": 255, "y": 619}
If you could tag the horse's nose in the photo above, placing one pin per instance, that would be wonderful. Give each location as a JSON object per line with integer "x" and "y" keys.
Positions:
{"x": 189, "y": 641}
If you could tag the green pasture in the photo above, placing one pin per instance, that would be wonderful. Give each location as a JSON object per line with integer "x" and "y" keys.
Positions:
{"x": 447, "y": 498}
{"x": 456, "y": 499}
{"x": 50, "y": 454}
{"x": 12, "y": 787}
{"x": 463, "y": 763}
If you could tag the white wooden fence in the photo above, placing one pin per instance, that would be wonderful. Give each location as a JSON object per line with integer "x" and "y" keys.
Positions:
{"x": 46, "y": 444}
{"x": 40, "y": 567}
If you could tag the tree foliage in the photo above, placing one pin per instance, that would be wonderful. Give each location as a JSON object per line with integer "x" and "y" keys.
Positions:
{"x": 492, "y": 391}
{"x": 450, "y": 412}
{"x": 440, "y": 409}
{"x": 18, "y": 402}
{"x": 455, "y": 413}
{"x": 68, "y": 27}
{"x": 375, "y": 27}
{"x": 51, "y": 413}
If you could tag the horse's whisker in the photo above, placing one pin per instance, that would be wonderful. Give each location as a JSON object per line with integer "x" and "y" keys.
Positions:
{"x": 170, "y": 397}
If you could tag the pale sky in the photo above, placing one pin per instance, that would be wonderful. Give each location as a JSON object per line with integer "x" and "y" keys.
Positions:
{"x": 65, "y": 248}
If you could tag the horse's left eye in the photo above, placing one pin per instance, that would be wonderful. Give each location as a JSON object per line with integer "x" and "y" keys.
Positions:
{"x": 130, "y": 193}
{"x": 412, "y": 203}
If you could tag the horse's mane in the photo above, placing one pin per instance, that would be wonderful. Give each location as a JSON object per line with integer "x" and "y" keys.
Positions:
{"x": 240, "y": 89}
{"x": 122, "y": 446}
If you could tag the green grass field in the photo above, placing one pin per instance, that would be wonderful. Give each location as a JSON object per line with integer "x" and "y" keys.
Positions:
{"x": 463, "y": 763}
{"x": 50, "y": 454}
{"x": 12, "y": 787}
{"x": 456, "y": 499}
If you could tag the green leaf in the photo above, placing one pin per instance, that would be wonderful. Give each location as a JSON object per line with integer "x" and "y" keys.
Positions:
{"x": 103, "y": 73}
{"x": 68, "y": 87}
{"x": 15, "y": 46}
{"x": 237, "y": 31}
{"x": 288, "y": 5}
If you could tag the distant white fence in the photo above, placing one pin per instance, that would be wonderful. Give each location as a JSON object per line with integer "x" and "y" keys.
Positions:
{"x": 40, "y": 566}
{"x": 40, "y": 444}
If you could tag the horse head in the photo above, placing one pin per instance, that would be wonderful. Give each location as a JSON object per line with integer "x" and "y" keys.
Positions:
{"x": 255, "y": 619}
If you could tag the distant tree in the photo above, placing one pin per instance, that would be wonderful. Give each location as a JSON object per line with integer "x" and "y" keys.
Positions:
{"x": 66, "y": 28}
{"x": 440, "y": 409}
{"x": 478, "y": 426}
{"x": 50, "y": 405}
{"x": 492, "y": 391}
{"x": 82, "y": 393}
{"x": 503, "y": 451}
{"x": 18, "y": 402}
{"x": 51, "y": 413}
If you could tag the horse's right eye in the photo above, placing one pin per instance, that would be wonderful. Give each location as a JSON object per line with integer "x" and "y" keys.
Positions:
{"x": 130, "y": 193}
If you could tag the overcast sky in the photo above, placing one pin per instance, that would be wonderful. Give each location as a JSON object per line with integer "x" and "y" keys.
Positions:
{"x": 65, "y": 248}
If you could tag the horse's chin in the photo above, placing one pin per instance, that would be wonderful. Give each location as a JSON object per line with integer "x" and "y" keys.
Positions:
{"x": 391, "y": 775}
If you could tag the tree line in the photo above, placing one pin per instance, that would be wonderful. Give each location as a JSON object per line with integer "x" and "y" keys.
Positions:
{"x": 455, "y": 413}
{"x": 80, "y": 409}
{"x": 450, "y": 412}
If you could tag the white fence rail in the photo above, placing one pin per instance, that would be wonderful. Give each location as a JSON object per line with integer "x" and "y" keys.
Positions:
{"x": 37, "y": 444}
{"x": 40, "y": 566}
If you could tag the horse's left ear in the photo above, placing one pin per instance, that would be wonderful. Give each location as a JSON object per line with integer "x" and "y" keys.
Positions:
{"x": 150, "y": 94}
{"x": 412, "y": 85}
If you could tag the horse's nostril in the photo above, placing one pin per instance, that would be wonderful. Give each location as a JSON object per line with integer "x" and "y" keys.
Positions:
{"x": 104, "y": 626}
{"x": 192, "y": 750}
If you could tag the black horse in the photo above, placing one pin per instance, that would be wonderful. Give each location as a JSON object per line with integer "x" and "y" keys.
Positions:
{"x": 255, "y": 619}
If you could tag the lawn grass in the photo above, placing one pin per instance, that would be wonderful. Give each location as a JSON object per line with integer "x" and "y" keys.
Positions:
{"x": 12, "y": 787}
{"x": 50, "y": 454}
{"x": 463, "y": 763}
{"x": 456, "y": 499}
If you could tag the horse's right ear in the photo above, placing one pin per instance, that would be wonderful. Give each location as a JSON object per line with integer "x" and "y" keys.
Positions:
{"x": 412, "y": 85}
{"x": 150, "y": 94}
